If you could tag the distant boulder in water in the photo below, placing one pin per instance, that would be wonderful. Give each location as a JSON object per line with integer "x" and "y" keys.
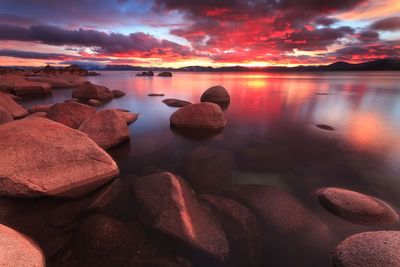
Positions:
{"x": 216, "y": 94}
{"x": 145, "y": 73}
{"x": 165, "y": 74}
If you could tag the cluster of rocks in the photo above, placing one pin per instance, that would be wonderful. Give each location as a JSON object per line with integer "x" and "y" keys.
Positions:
{"x": 151, "y": 74}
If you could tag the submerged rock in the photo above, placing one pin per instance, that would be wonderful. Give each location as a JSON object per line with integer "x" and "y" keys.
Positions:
{"x": 370, "y": 249}
{"x": 356, "y": 207}
{"x": 8, "y": 104}
{"x": 172, "y": 102}
{"x": 19, "y": 250}
{"x": 202, "y": 116}
{"x": 71, "y": 114}
{"x": 42, "y": 157}
{"x": 118, "y": 93}
{"x": 165, "y": 74}
{"x": 155, "y": 94}
{"x": 88, "y": 91}
{"x": 107, "y": 128}
{"x": 145, "y": 73}
{"x": 168, "y": 204}
{"x": 216, "y": 94}
{"x": 325, "y": 127}
{"x": 5, "y": 116}
{"x": 242, "y": 229}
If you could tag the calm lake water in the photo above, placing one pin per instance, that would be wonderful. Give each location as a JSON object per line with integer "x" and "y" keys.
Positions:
{"x": 272, "y": 135}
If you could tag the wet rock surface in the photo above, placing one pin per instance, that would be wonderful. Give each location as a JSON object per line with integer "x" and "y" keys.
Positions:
{"x": 370, "y": 249}
{"x": 356, "y": 207}
{"x": 66, "y": 161}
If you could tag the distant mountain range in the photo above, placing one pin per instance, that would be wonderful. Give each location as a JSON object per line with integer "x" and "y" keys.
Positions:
{"x": 388, "y": 64}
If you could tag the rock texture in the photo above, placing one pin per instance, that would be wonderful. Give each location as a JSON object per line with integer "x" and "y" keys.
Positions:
{"x": 42, "y": 157}
{"x": 107, "y": 128}
{"x": 5, "y": 116}
{"x": 88, "y": 91}
{"x": 15, "y": 109}
{"x": 172, "y": 102}
{"x": 370, "y": 249}
{"x": 40, "y": 108}
{"x": 17, "y": 249}
{"x": 127, "y": 116}
{"x": 94, "y": 102}
{"x": 356, "y": 207}
{"x": 118, "y": 93}
{"x": 199, "y": 116}
{"x": 71, "y": 114}
{"x": 168, "y": 204}
{"x": 216, "y": 94}
{"x": 30, "y": 88}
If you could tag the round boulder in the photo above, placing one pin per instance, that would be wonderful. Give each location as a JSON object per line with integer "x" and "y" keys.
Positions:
{"x": 107, "y": 128}
{"x": 356, "y": 207}
{"x": 17, "y": 249}
{"x": 88, "y": 91}
{"x": 216, "y": 94}
{"x": 369, "y": 249}
{"x": 42, "y": 157}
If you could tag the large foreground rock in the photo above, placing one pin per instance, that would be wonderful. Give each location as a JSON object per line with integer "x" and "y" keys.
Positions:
{"x": 168, "y": 204}
{"x": 370, "y": 249}
{"x": 42, "y": 157}
{"x": 107, "y": 128}
{"x": 71, "y": 114}
{"x": 216, "y": 94}
{"x": 356, "y": 207}
{"x": 5, "y": 116}
{"x": 88, "y": 91}
{"x": 17, "y": 249}
{"x": 202, "y": 116}
{"x": 8, "y": 104}
{"x": 30, "y": 88}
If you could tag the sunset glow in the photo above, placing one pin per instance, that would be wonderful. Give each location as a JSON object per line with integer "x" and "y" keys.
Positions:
{"x": 175, "y": 33}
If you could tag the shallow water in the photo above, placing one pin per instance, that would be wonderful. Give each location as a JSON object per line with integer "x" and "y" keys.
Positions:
{"x": 276, "y": 113}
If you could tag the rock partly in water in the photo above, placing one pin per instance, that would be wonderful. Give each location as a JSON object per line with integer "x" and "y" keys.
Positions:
{"x": 19, "y": 250}
{"x": 369, "y": 249}
{"x": 88, "y": 91}
{"x": 216, "y": 94}
{"x": 145, "y": 73}
{"x": 5, "y": 116}
{"x": 118, "y": 93}
{"x": 325, "y": 127}
{"x": 155, "y": 94}
{"x": 127, "y": 116}
{"x": 94, "y": 102}
{"x": 171, "y": 102}
{"x": 242, "y": 229}
{"x": 58, "y": 81}
{"x": 15, "y": 109}
{"x": 165, "y": 74}
{"x": 30, "y": 88}
{"x": 71, "y": 114}
{"x": 356, "y": 207}
{"x": 40, "y": 108}
{"x": 207, "y": 117}
{"x": 168, "y": 204}
{"x": 42, "y": 157}
{"x": 208, "y": 168}
{"x": 107, "y": 128}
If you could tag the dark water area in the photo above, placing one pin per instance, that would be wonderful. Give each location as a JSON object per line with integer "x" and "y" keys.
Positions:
{"x": 272, "y": 137}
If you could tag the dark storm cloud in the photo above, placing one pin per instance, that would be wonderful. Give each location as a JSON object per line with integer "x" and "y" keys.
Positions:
{"x": 369, "y": 36}
{"x": 113, "y": 43}
{"x": 387, "y": 24}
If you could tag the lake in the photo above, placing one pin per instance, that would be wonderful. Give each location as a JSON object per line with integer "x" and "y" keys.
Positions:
{"x": 272, "y": 136}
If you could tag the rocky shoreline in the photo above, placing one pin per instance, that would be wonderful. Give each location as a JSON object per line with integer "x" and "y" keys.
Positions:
{"x": 64, "y": 201}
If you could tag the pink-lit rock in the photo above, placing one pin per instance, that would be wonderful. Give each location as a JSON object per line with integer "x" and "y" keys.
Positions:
{"x": 71, "y": 114}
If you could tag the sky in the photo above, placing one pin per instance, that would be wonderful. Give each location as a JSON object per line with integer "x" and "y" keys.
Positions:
{"x": 177, "y": 33}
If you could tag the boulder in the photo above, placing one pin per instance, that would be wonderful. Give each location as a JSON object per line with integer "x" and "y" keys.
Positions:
{"x": 94, "y": 102}
{"x": 19, "y": 250}
{"x": 55, "y": 81}
{"x": 168, "y": 204}
{"x": 107, "y": 128}
{"x": 40, "y": 108}
{"x": 42, "y": 157}
{"x": 172, "y": 102}
{"x": 241, "y": 228}
{"x": 325, "y": 127}
{"x": 30, "y": 88}
{"x": 356, "y": 207}
{"x": 88, "y": 91}
{"x": 71, "y": 114}
{"x": 165, "y": 74}
{"x": 208, "y": 168}
{"x": 202, "y": 116}
{"x": 38, "y": 114}
{"x": 5, "y": 116}
{"x": 127, "y": 116}
{"x": 369, "y": 249}
{"x": 118, "y": 93}
{"x": 216, "y": 94}
{"x": 15, "y": 109}
{"x": 145, "y": 73}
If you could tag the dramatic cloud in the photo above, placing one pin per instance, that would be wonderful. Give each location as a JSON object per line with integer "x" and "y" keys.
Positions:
{"x": 388, "y": 24}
